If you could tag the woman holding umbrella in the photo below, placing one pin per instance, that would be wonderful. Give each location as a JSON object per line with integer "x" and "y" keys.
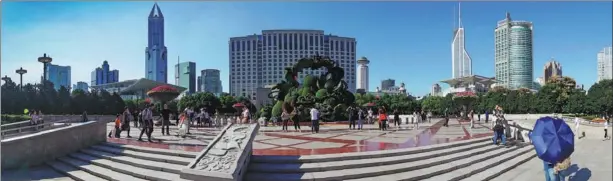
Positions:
{"x": 554, "y": 142}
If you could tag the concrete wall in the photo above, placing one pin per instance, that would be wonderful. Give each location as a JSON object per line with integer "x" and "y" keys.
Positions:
{"x": 35, "y": 149}
{"x": 57, "y": 118}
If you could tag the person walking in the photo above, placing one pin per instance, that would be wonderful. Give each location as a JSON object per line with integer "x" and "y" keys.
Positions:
{"x": 577, "y": 123}
{"x": 135, "y": 117}
{"x": 382, "y": 120}
{"x": 314, "y": 120}
{"x": 351, "y": 114}
{"x": 396, "y": 118}
{"x": 499, "y": 133}
{"x": 165, "y": 119}
{"x": 487, "y": 116}
{"x": 147, "y": 125}
{"x": 127, "y": 117}
{"x": 606, "y": 129}
{"x": 295, "y": 117}
{"x": 84, "y": 117}
{"x": 361, "y": 116}
{"x": 284, "y": 117}
{"x": 446, "y": 117}
{"x": 117, "y": 129}
{"x": 429, "y": 116}
{"x": 371, "y": 116}
{"x": 33, "y": 117}
{"x": 190, "y": 118}
{"x": 246, "y": 116}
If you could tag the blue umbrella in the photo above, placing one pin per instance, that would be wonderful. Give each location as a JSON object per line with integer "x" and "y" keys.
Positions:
{"x": 553, "y": 139}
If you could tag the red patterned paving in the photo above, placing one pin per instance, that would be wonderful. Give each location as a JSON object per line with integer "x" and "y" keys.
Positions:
{"x": 426, "y": 137}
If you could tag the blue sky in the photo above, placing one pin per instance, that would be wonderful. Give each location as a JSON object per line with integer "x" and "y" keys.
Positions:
{"x": 406, "y": 41}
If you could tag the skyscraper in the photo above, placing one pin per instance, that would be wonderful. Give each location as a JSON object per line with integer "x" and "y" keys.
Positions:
{"x": 186, "y": 76}
{"x": 461, "y": 63}
{"x": 156, "y": 62}
{"x": 259, "y": 60}
{"x": 211, "y": 81}
{"x": 59, "y": 76}
{"x": 199, "y": 83}
{"x": 363, "y": 73}
{"x": 387, "y": 84}
{"x": 551, "y": 69}
{"x": 103, "y": 75}
{"x": 81, "y": 85}
{"x": 605, "y": 64}
{"x": 513, "y": 53}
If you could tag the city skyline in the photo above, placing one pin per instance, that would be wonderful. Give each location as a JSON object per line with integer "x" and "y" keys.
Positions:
{"x": 200, "y": 31}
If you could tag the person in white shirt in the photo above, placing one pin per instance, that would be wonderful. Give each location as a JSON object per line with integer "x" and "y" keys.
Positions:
{"x": 147, "y": 123}
{"x": 314, "y": 120}
{"x": 370, "y": 116}
{"x": 606, "y": 129}
{"x": 245, "y": 115}
{"x": 577, "y": 121}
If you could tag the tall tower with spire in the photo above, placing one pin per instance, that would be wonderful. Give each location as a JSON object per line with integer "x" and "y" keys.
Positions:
{"x": 461, "y": 63}
{"x": 156, "y": 62}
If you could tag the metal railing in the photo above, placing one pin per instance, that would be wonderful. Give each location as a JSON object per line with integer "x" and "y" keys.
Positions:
{"x": 31, "y": 129}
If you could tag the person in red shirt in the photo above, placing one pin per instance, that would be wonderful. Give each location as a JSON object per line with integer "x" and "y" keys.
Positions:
{"x": 382, "y": 120}
{"x": 117, "y": 127}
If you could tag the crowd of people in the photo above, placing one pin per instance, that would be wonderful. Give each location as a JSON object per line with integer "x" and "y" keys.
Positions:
{"x": 144, "y": 120}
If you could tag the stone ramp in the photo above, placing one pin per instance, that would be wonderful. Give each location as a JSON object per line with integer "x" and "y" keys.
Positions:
{"x": 452, "y": 161}
{"x": 111, "y": 161}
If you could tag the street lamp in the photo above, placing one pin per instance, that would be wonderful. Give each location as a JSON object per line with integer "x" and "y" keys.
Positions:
{"x": 6, "y": 78}
{"x": 45, "y": 60}
{"x": 21, "y": 71}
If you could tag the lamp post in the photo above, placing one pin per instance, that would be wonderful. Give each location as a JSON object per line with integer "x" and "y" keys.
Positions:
{"x": 21, "y": 71}
{"x": 6, "y": 78}
{"x": 45, "y": 60}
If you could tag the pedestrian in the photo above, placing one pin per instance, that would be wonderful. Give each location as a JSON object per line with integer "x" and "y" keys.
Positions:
{"x": 382, "y": 120}
{"x": 284, "y": 117}
{"x": 361, "y": 116}
{"x": 429, "y": 116}
{"x": 351, "y": 115}
{"x": 246, "y": 116}
{"x": 314, "y": 120}
{"x": 182, "y": 124}
{"x": 147, "y": 116}
{"x": 472, "y": 119}
{"x": 396, "y": 118}
{"x": 190, "y": 118}
{"x": 499, "y": 133}
{"x": 136, "y": 117}
{"x": 117, "y": 128}
{"x": 84, "y": 117}
{"x": 479, "y": 116}
{"x": 487, "y": 116}
{"x": 554, "y": 172}
{"x": 125, "y": 125}
{"x": 606, "y": 128}
{"x": 446, "y": 117}
{"x": 295, "y": 117}
{"x": 371, "y": 116}
{"x": 577, "y": 121}
{"x": 33, "y": 117}
{"x": 165, "y": 119}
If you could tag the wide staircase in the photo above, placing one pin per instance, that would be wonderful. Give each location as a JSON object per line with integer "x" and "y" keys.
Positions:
{"x": 111, "y": 161}
{"x": 473, "y": 160}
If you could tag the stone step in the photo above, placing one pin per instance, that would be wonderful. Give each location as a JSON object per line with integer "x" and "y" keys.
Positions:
{"x": 73, "y": 172}
{"x": 348, "y": 164}
{"x": 383, "y": 170}
{"x": 508, "y": 160}
{"x": 145, "y": 156}
{"x": 139, "y": 173}
{"x": 180, "y": 153}
{"x": 142, "y": 163}
{"x": 446, "y": 166}
{"x": 493, "y": 172}
{"x": 361, "y": 155}
{"x": 98, "y": 171}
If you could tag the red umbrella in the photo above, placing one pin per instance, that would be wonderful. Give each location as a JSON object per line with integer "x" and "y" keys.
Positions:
{"x": 370, "y": 104}
{"x": 237, "y": 105}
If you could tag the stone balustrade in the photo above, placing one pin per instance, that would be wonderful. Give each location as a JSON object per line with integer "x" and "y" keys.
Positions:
{"x": 58, "y": 118}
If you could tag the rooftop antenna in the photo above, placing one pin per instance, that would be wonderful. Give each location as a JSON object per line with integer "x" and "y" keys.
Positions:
{"x": 178, "y": 73}
{"x": 459, "y": 14}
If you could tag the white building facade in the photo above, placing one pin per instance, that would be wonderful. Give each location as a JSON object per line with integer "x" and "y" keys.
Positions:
{"x": 259, "y": 60}
{"x": 363, "y": 73}
{"x": 461, "y": 63}
{"x": 514, "y": 54}
{"x": 605, "y": 64}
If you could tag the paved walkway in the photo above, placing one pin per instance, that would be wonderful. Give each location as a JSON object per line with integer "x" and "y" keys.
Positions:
{"x": 332, "y": 138}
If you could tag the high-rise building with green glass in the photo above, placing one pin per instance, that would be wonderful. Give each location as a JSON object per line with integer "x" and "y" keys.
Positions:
{"x": 513, "y": 54}
{"x": 185, "y": 76}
